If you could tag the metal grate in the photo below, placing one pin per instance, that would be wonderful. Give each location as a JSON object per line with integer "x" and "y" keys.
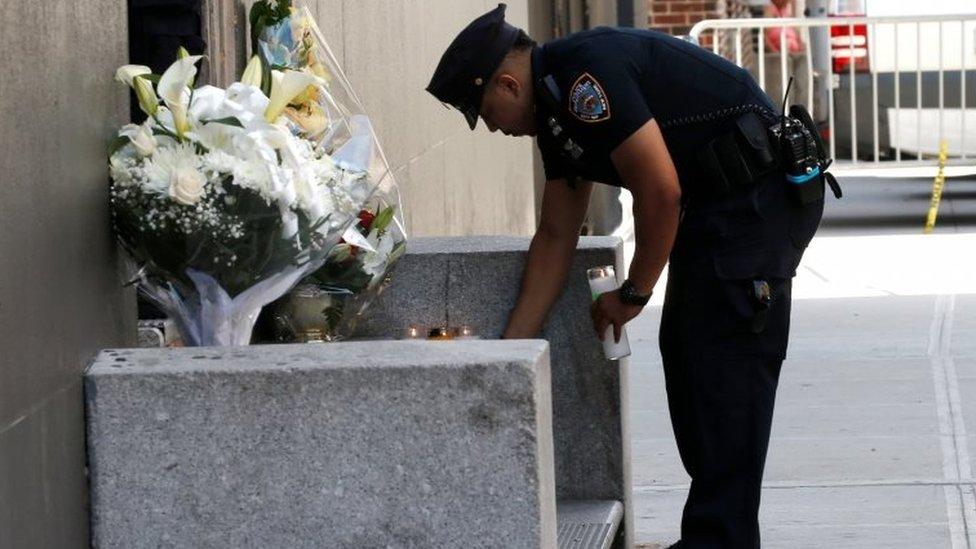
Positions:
{"x": 587, "y": 524}
{"x": 584, "y": 536}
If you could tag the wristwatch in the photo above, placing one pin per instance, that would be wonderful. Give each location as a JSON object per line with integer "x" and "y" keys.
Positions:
{"x": 630, "y": 296}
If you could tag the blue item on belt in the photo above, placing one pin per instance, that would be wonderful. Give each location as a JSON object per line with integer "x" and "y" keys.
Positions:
{"x": 801, "y": 179}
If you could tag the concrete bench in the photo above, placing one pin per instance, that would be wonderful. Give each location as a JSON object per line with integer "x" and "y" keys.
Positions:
{"x": 295, "y": 445}
{"x": 475, "y": 281}
{"x": 380, "y": 444}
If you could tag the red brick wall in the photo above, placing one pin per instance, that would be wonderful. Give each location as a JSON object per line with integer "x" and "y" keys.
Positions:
{"x": 677, "y": 16}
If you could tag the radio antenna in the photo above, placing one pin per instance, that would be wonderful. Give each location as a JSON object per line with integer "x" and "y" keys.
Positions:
{"x": 786, "y": 97}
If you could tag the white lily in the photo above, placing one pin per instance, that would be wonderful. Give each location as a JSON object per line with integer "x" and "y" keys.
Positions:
{"x": 247, "y": 104}
{"x": 127, "y": 73}
{"x": 285, "y": 86}
{"x": 253, "y": 73}
{"x": 130, "y": 76}
{"x": 174, "y": 88}
{"x": 375, "y": 262}
{"x": 216, "y": 136}
{"x": 207, "y": 104}
{"x": 141, "y": 137}
{"x": 148, "y": 101}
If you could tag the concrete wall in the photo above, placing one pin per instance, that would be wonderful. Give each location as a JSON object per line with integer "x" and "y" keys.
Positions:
{"x": 60, "y": 295}
{"x": 456, "y": 182}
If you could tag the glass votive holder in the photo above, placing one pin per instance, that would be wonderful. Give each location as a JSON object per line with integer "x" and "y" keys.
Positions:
{"x": 440, "y": 333}
{"x": 312, "y": 335}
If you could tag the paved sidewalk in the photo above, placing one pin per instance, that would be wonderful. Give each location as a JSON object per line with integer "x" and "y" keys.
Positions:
{"x": 870, "y": 447}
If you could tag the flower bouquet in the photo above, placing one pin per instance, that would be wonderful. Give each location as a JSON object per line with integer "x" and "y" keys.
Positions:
{"x": 224, "y": 206}
{"x": 327, "y": 304}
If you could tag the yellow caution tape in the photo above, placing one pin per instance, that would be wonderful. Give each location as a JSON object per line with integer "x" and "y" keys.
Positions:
{"x": 937, "y": 186}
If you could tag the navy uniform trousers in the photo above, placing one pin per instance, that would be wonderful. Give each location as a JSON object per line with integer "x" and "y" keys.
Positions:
{"x": 723, "y": 347}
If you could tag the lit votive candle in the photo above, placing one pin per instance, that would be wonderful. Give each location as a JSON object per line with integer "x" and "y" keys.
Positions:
{"x": 413, "y": 332}
{"x": 440, "y": 334}
{"x": 466, "y": 332}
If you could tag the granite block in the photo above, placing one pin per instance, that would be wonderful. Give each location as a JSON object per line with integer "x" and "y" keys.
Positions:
{"x": 360, "y": 444}
{"x": 417, "y": 295}
{"x": 475, "y": 281}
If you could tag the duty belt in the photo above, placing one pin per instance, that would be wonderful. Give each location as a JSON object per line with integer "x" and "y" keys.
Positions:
{"x": 739, "y": 157}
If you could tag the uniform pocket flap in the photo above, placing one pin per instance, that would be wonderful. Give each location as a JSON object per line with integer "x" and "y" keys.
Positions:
{"x": 754, "y": 133}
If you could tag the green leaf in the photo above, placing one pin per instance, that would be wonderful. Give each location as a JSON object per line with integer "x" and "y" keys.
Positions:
{"x": 230, "y": 121}
{"x": 398, "y": 250}
{"x": 333, "y": 317}
{"x": 157, "y": 130}
{"x": 117, "y": 144}
{"x": 383, "y": 219}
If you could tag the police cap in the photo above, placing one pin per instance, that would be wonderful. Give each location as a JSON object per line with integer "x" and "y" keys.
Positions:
{"x": 471, "y": 60}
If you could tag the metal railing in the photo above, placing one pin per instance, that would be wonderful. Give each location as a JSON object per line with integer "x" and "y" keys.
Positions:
{"x": 888, "y": 145}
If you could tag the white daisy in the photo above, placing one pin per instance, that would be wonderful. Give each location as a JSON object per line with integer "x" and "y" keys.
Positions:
{"x": 170, "y": 166}
{"x": 220, "y": 162}
{"x": 253, "y": 174}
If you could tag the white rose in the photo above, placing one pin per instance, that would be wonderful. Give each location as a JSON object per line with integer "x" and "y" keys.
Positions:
{"x": 186, "y": 186}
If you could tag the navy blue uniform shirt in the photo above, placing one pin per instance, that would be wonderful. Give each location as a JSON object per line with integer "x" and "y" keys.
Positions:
{"x": 613, "y": 81}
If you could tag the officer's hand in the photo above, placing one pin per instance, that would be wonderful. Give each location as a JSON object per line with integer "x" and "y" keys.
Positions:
{"x": 607, "y": 310}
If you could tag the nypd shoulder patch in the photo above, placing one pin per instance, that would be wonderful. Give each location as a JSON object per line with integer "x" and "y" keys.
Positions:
{"x": 587, "y": 100}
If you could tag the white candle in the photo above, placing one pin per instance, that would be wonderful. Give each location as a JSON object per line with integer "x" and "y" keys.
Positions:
{"x": 466, "y": 332}
{"x": 602, "y": 280}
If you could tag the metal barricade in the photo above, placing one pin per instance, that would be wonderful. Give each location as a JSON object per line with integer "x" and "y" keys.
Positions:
{"x": 899, "y": 105}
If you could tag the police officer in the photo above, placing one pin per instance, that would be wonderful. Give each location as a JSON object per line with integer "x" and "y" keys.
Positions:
{"x": 685, "y": 131}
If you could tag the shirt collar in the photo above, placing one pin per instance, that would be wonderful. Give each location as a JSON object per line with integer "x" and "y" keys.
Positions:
{"x": 538, "y": 73}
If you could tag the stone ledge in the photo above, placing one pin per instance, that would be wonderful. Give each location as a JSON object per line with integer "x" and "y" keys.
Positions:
{"x": 405, "y": 444}
{"x": 448, "y": 245}
{"x": 276, "y": 359}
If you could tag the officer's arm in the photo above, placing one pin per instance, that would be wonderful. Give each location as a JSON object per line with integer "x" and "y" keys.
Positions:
{"x": 645, "y": 166}
{"x": 550, "y": 256}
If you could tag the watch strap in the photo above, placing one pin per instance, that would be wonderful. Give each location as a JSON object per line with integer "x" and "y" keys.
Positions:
{"x": 630, "y": 296}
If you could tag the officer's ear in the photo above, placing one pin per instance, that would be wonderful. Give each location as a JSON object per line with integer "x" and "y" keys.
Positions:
{"x": 509, "y": 85}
